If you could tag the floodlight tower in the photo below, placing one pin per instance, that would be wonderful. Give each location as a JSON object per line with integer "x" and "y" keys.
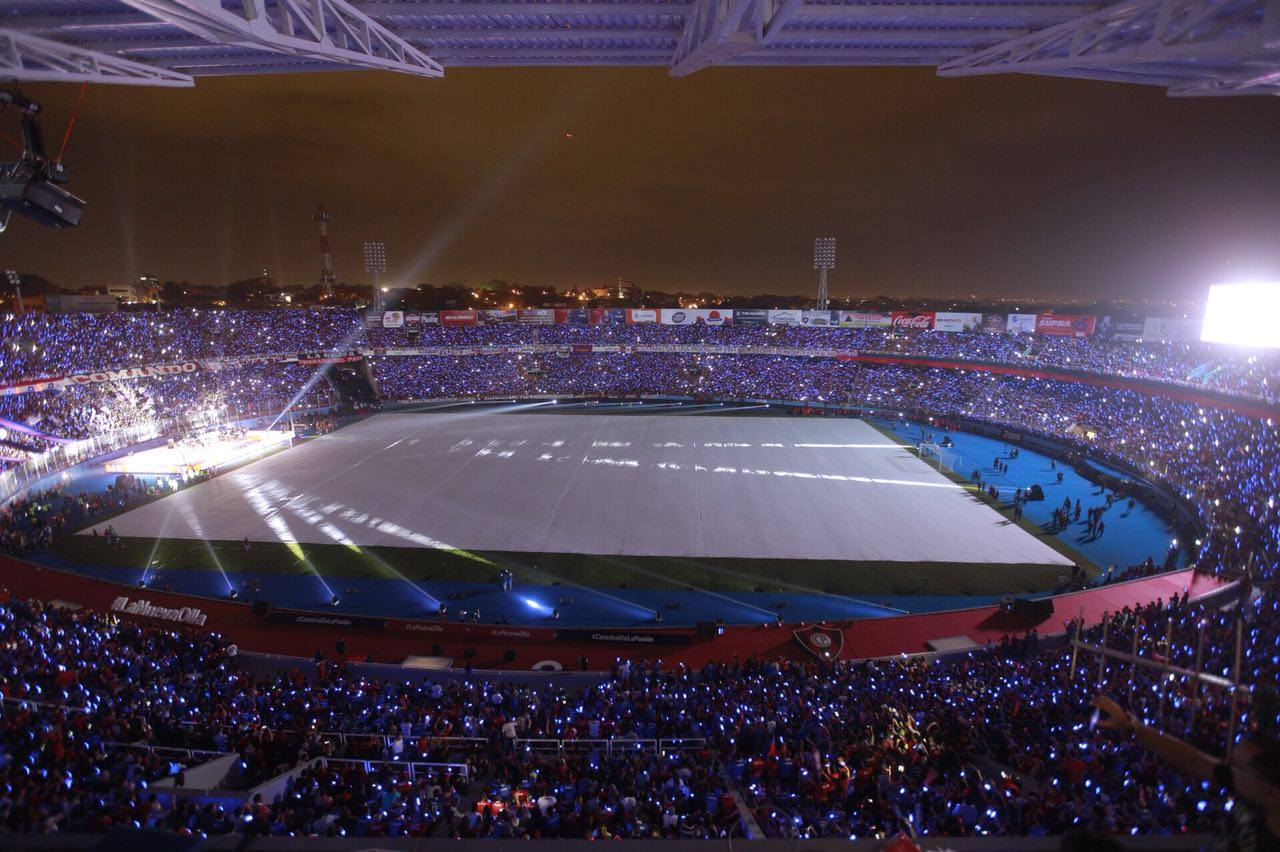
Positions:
{"x": 15, "y": 280}
{"x": 824, "y": 258}
{"x": 375, "y": 261}
{"x": 327, "y": 278}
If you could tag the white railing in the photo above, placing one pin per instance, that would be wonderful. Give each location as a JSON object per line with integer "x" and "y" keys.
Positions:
{"x": 187, "y": 754}
{"x": 611, "y": 746}
{"x": 63, "y": 456}
{"x": 410, "y": 767}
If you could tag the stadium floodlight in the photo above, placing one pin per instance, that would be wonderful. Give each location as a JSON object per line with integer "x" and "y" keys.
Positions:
{"x": 824, "y": 258}
{"x": 1242, "y": 314}
{"x": 375, "y": 262}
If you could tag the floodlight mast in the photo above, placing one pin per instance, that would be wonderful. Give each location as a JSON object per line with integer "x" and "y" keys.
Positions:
{"x": 327, "y": 277}
{"x": 824, "y": 258}
{"x": 15, "y": 280}
{"x": 375, "y": 262}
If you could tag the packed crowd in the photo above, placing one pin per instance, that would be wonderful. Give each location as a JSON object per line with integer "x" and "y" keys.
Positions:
{"x": 1213, "y": 367}
{"x": 1226, "y": 466}
{"x": 55, "y": 345}
{"x": 994, "y": 742}
{"x": 40, "y": 345}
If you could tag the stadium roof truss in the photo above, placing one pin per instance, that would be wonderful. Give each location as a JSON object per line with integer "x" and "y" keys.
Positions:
{"x": 1191, "y": 47}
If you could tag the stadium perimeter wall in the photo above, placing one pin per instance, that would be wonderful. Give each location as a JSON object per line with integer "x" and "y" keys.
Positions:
{"x": 300, "y": 633}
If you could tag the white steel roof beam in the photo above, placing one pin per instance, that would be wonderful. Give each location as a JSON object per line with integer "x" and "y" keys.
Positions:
{"x": 715, "y": 31}
{"x": 329, "y": 30}
{"x": 567, "y": 53}
{"x": 71, "y": 23}
{"x": 1135, "y": 32}
{"x": 976, "y": 15}
{"x": 446, "y": 34}
{"x": 782, "y": 13}
{"x": 907, "y": 37}
{"x": 778, "y": 13}
{"x": 29, "y": 58}
{"x": 430, "y": 8}
{"x": 1248, "y": 83}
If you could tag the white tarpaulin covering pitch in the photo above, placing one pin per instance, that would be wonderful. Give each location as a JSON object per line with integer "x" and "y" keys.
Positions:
{"x": 667, "y": 485}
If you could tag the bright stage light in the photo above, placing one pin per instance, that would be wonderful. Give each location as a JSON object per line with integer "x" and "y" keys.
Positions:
{"x": 206, "y": 452}
{"x": 1243, "y": 315}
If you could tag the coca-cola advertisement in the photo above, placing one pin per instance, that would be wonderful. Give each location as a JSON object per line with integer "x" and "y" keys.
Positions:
{"x": 1066, "y": 325}
{"x": 912, "y": 320}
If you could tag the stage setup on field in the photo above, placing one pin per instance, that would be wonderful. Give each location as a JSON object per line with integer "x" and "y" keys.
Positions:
{"x": 205, "y": 453}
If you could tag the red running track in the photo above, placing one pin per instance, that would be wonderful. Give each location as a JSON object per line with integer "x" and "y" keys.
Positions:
{"x": 299, "y": 633}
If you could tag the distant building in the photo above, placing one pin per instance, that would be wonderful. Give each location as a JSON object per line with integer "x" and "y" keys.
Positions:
{"x": 56, "y": 303}
{"x": 618, "y": 290}
{"x": 127, "y": 293}
{"x": 148, "y": 289}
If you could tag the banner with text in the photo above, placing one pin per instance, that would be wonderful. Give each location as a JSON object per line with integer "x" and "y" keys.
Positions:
{"x": 819, "y": 319}
{"x": 912, "y": 320}
{"x": 537, "y": 316}
{"x": 1022, "y": 323}
{"x": 695, "y": 316}
{"x": 1172, "y": 329}
{"x": 1065, "y": 325}
{"x": 865, "y": 319}
{"x": 457, "y": 318}
{"x": 750, "y": 316}
{"x": 153, "y": 371}
{"x": 949, "y": 321}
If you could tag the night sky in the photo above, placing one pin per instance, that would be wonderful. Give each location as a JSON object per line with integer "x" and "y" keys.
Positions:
{"x": 1000, "y": 186}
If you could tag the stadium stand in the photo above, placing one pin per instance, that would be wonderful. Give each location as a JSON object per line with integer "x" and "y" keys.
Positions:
{"x": 104, "y": 720}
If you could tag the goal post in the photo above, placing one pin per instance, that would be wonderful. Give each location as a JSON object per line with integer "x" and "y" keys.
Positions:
{"x": 938, "y": 456}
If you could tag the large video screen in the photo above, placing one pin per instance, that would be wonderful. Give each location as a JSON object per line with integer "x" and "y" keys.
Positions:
{"x": 1243, "y": 315}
